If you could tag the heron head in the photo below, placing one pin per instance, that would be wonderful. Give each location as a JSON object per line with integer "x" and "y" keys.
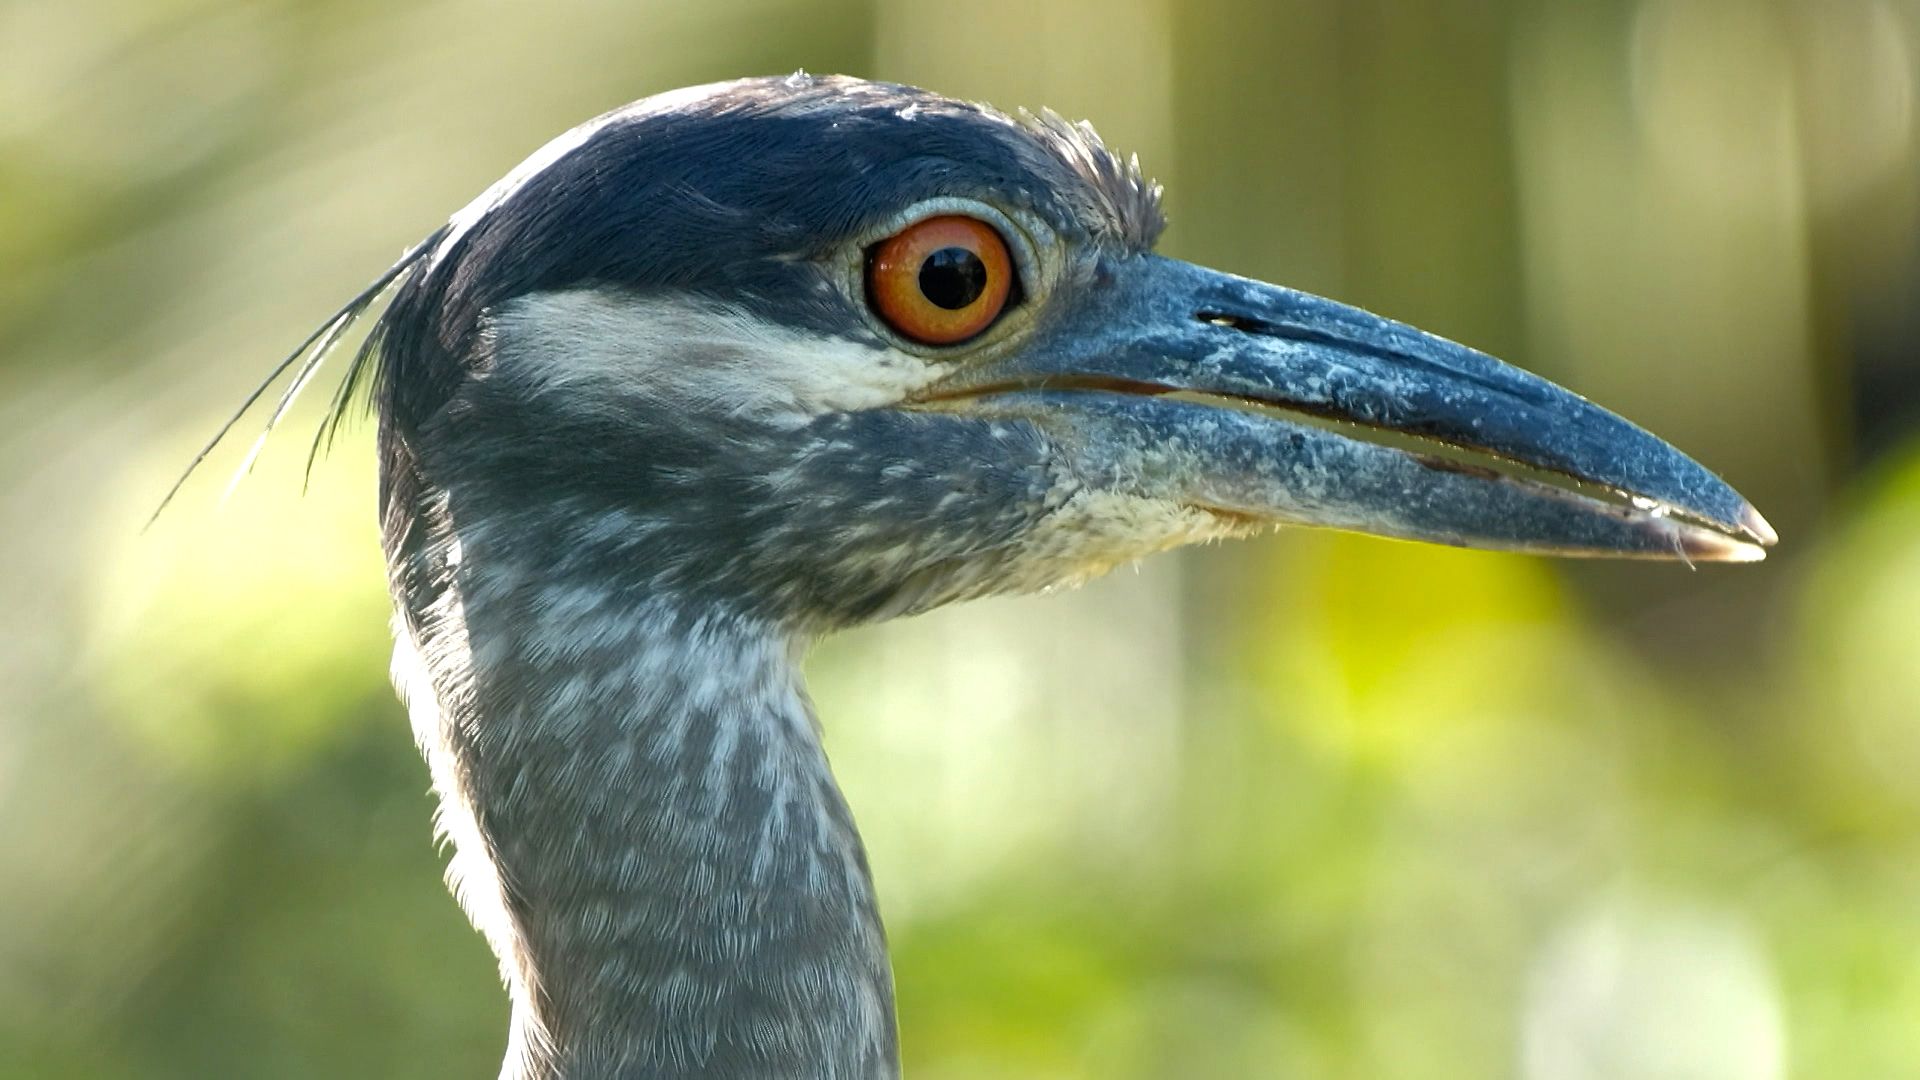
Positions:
{"x": 837, "y": 350}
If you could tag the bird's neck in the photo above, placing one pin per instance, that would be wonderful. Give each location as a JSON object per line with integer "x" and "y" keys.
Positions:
{"x": 647, "y": 831}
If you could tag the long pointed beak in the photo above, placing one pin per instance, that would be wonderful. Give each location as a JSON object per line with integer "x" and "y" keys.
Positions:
{"x": 1172, "y": 381}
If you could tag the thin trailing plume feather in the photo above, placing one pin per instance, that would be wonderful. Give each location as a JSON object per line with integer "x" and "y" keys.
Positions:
{"x": 334, "y": 331}
{"x": 309, "y": 355}
{"x": 364, "y": 359}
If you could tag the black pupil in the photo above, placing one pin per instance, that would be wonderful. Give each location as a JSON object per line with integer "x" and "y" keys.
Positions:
{"x": 953, "y": 278}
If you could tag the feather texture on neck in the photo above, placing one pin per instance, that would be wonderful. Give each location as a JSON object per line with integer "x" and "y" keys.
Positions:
{"x": 645, "y": 825}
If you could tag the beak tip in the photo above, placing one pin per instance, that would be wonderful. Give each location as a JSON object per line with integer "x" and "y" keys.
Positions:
{"x": 1703, "y": 546}
{"x": 1758, "y": 528}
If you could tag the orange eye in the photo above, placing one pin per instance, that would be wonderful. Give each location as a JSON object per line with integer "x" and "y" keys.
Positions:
{"x": 940, "y": 281}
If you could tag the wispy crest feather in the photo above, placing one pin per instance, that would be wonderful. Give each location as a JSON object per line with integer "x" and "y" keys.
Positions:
{"x": 309, "y": 355}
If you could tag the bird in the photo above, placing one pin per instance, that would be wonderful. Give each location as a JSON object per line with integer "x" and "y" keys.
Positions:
{"x": 737, "y": 366}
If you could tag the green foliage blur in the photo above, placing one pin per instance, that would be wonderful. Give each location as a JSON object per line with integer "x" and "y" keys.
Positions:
{"x": 1314, "y": 806}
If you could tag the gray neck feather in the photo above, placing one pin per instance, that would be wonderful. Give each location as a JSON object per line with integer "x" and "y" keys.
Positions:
{"x": 645, "y": 828}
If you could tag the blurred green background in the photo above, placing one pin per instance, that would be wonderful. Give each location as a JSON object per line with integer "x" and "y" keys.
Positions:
{"x": 1314, "y": 806}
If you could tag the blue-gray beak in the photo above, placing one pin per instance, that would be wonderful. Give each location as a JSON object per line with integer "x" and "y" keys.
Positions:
{"x": 1175, "y": 382}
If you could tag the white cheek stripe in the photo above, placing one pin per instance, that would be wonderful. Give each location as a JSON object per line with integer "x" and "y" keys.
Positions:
{"x": 601, "y": 348}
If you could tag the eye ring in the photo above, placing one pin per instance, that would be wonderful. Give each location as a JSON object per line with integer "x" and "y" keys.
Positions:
{"x": 942, "y": 280}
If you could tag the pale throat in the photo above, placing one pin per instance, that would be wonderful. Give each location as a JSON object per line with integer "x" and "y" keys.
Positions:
{"x": 645, "y": 828}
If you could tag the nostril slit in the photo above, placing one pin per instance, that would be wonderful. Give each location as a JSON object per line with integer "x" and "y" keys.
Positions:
{"x": 1382, "y": 342}
{"x": 1247, "y": 324}
{"x": 1233, "y": 322}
